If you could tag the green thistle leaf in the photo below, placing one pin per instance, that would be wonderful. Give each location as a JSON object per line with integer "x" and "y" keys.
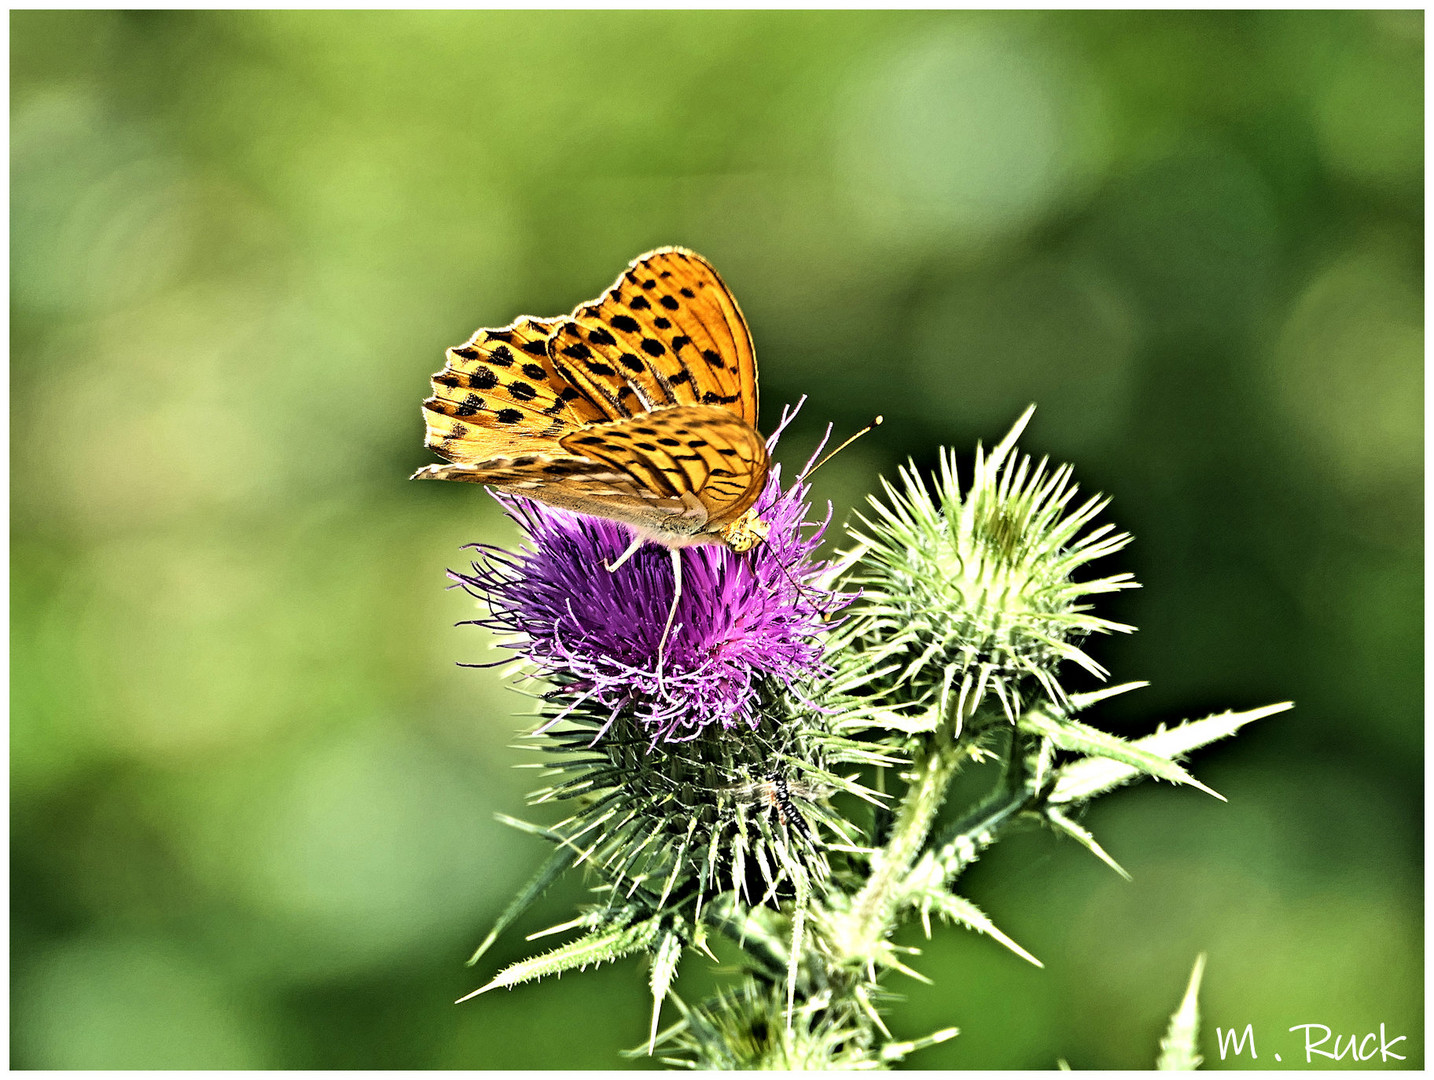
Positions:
{"x": 1132, "y": 758}
{"x": 1081, "y": 781}
{"x": 1179, "y": 1049}
{"x": 959, "y": 910}
{"x": 664, "y": 970}
{"x": 1083, "y": 836}
{"x": 557, "y": 863}
{"x": 595, "y": 948}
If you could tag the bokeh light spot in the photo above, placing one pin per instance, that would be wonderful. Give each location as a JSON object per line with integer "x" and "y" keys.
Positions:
{"x": 1348, "y": 374}
{"x": 1370, "y": 113}
{"x": 361, "y": 848}
{"x": 968, "y": 136}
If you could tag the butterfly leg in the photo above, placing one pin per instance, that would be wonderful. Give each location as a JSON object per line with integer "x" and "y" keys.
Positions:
{"x": 637, "y": 542}
{"x": 672, "y": 611}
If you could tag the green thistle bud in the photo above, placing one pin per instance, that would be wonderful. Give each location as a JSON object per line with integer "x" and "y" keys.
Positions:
{"x": 973, "y": 595}
{"x": 750, "y": 1027}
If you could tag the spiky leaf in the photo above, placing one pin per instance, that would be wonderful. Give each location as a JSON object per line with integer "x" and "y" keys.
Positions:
{"x": 1179, "y": 1049}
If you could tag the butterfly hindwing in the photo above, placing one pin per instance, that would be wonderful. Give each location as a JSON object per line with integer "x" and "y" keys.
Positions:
{"x": 580, "y": 484}
{"x": 698, "y": 450}
{"x": 668, "y": 332}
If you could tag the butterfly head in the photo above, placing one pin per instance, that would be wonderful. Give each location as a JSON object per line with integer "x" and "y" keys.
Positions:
{"x": 746, "y": 532}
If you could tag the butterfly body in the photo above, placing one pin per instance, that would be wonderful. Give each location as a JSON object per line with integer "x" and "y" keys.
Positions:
{"x": 639, "y": 407}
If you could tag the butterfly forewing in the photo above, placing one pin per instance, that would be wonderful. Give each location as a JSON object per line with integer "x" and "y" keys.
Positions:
{"x": 666, "y": 333}
{"x": 498, "y": 392}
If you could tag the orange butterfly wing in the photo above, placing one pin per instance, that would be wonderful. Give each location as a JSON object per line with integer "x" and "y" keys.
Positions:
{"x": 640, "y": 407}
{"x": 498, "y": 392}
{"x": 686, "y": 450}
{"x": 668, "y": 332}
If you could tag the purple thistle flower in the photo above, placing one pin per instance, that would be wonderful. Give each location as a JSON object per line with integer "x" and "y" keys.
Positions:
{"x": 742, "y": 619}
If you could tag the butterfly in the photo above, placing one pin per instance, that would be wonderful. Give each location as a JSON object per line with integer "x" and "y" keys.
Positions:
{"x": 639, "y": 407}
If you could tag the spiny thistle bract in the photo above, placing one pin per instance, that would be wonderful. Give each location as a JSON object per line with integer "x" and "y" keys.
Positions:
{"x": 680, "y": 822}
{"x": 973, "y": 594}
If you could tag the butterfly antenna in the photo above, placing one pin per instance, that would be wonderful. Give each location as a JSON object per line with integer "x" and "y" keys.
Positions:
{"x": 874, "y": 424}
{"x": 806, "y": 473}
{"x": 804, "y": 593}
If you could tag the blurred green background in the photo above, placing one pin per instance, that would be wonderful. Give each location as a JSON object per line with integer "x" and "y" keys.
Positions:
{"x": 251, "y": 795}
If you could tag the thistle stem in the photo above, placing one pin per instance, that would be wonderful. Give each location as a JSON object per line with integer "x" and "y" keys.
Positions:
{"x": 962, "y": 842}
{"x": 872, "y": 914}
{"x": 873, "y": 908}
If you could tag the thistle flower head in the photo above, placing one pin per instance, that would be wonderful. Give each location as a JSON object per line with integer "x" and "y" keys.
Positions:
{"x": 741, "y": 619}
{"x": 973, "y": 593}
